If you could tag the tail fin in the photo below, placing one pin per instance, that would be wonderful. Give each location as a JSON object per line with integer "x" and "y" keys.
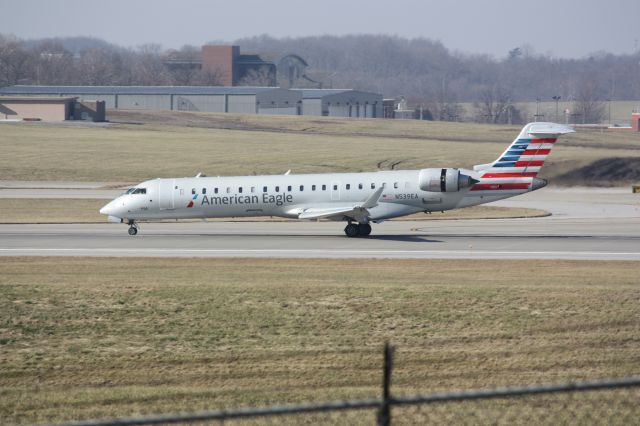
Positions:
{"x": 526, "y": 155}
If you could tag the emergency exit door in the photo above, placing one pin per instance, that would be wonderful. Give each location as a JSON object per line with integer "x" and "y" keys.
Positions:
{"x": 167, "y": 192}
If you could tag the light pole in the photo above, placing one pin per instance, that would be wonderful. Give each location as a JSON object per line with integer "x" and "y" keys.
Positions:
{"x": 557, "y": 99}
{"x": 537, "y": 108}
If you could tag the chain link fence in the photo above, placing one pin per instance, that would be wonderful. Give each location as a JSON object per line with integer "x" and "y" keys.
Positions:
{"x": 611, "y": 402}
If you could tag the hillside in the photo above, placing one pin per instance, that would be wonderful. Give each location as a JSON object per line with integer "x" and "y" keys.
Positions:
{"x": 138, "y": 145}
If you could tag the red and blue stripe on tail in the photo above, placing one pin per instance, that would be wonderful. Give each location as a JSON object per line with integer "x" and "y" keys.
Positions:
{"x": 517, "y": 168}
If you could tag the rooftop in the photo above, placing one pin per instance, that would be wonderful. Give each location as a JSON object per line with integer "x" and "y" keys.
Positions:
{"x": 134, "y": 90}
{"x": 57, "y": 99}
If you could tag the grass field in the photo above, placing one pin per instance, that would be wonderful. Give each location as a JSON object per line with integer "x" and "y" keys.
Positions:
{"x": 183, "y": 144}
{"x": 620, "y": 111}
{"x": 55, "y": 210}
{"x": 91, "y": 337}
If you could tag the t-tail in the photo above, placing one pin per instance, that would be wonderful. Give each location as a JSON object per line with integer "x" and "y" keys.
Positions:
{"x": 518, "y": 167}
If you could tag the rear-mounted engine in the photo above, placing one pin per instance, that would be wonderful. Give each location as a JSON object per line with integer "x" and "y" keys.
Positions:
{"x": 444, "y": 180}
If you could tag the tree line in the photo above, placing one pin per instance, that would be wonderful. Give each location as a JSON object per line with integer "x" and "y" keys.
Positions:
{"x": 424, "y": 71}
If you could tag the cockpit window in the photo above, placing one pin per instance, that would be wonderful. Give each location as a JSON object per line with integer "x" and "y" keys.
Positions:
{"x": 137, "y": 191}
{"x": 130, "y": 190}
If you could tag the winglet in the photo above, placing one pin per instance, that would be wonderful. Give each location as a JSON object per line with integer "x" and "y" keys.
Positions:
{"x": 372, "y": 201}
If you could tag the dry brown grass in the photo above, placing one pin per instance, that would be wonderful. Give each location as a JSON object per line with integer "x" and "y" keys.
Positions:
{"x": 182, "y": 144}
{"x": 91, "y": 337}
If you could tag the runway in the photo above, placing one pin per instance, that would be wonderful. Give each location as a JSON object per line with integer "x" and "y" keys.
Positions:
{"x": 586, "y": 224}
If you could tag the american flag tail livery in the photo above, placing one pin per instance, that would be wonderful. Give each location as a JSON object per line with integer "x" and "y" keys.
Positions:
{"x": 517, "y": 168}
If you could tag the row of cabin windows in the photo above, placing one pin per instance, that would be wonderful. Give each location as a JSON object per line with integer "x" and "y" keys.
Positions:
{"x": 347, "y": 186}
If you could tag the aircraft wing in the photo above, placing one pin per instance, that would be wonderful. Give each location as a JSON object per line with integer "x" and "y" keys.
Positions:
{"x": 320, "y": 213}
{"x": 357, "y": 211}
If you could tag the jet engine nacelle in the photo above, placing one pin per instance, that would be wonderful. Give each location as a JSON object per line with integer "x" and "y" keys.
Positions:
{"x": 444, "y": 180}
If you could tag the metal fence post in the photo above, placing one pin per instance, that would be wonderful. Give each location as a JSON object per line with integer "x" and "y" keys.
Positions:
{"x": 384, "y": 415}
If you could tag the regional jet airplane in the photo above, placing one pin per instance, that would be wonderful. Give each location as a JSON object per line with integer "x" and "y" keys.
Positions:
{"x": 356, "y": 198}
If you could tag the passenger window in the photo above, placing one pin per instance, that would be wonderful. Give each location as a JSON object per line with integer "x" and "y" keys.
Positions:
{"x": 313, "y": 187}
{"x": 204, "y": 191}
{"x": 373, "y": 186}
{"x": 359, "y": 186}
{"x": 301, "y": 188}
{"x": 348, "y": 186}
{"x": 324, "y": 187}
{"x": 384, "y": 184}
{"x": 407, "y": 185}
{"x": 335, "y": 187}
{"x": 264, "y": 189}
{"x": 228, "y": 190}
{"x": 215, "y": 190}
{"x": 289, "y": 188}
{"x": 395, "y": 185}
{"x": 253, "y": 189}
{"x": 240, "y": 190}
{"x": 193, "y": 191}
{"x": 277, "y": 189}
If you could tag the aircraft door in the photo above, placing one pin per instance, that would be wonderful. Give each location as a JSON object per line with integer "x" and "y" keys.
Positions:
{"x": 167, "y": 194}
{"x": 335, "y": 191}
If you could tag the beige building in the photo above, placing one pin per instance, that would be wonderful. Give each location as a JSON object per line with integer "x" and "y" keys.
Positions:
{"x": 36, "y": 108}
{"x": 50, "y": 108}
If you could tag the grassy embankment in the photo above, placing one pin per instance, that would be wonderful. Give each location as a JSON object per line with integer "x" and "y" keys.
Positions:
{"x": 84, "y": 337}
{"x": 238, "y": 145}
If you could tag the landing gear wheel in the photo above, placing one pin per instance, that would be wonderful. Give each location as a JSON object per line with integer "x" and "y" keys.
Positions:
{"x": 364, "y": 229}
{"x": 351, "y": 230}
{"x": 133, "y": 230}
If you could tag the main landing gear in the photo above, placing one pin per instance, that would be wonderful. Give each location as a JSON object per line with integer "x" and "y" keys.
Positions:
{"x": 357, "y": 230}
{"x": 133, "y": 228}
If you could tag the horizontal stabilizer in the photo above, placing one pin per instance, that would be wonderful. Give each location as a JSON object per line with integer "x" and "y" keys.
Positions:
{"x": 481, "y": 167}
{"x": 548, "y": 129}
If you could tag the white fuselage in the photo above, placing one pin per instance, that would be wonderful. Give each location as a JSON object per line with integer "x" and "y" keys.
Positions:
{"x": 289, "y": 195}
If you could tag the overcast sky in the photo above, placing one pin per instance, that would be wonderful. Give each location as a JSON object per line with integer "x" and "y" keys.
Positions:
{"x": 560, "y": 27}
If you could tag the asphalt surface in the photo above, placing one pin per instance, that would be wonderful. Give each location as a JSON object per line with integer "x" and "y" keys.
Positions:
{"x": 586, "y": 224}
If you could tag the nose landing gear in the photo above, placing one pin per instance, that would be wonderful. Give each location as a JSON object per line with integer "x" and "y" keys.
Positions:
{"x": 133, "y": 228}
{"x": 357, "y": 230}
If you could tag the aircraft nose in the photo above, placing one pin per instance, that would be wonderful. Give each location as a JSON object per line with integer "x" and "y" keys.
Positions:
{"x": 108, "y": 209}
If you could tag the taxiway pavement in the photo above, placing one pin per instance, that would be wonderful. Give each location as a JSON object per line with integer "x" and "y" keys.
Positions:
{"x": 586, "y": 224}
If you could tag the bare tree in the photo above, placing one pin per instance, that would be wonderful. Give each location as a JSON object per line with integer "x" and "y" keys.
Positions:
{"x": 15, "y": 67}
{"x": 97, "y": 67}
{"x": 495, "y": 105}
{"x": 260, "y": 77}
{"x": 588, "y": 105}
{"x": 209, "y": 77}
{"x": 148, "y": 68}
{"x": 53, "y": 64}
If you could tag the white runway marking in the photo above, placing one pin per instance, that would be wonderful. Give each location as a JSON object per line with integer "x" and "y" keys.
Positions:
{"x": 329, "y": 253}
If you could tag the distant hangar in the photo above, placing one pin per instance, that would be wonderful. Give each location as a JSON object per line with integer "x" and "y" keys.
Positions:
{"x": 237, "y": 99}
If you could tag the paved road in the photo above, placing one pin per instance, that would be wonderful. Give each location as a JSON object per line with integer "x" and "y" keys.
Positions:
{"x": 585, "y": 224}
